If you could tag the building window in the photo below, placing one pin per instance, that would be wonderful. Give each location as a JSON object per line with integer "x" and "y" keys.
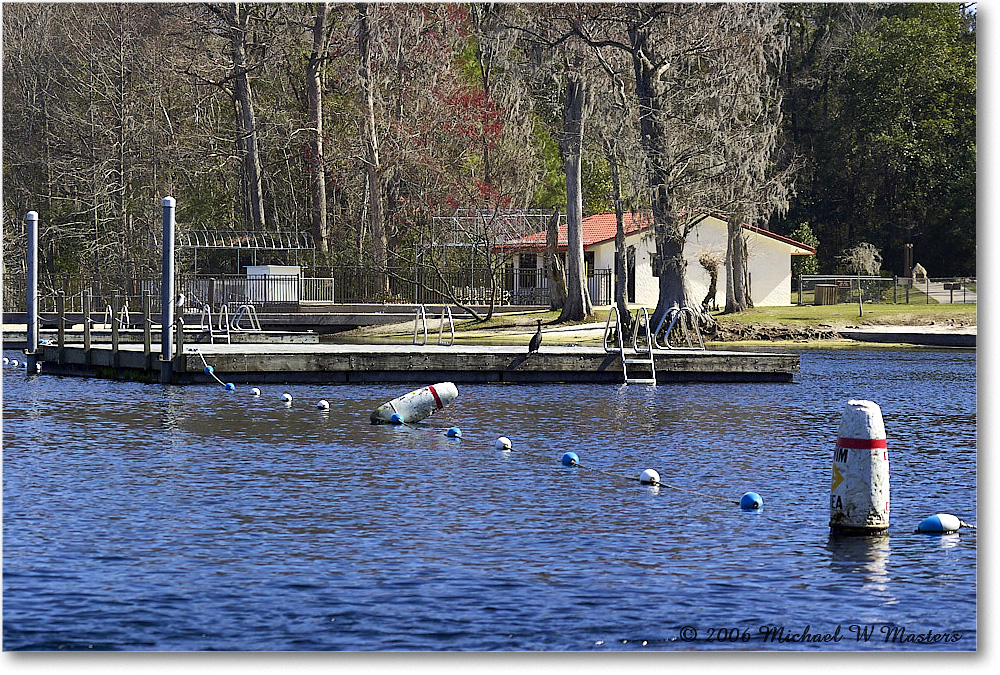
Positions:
{"x": 654, "y": 264}
{"x": 588, "y": 260}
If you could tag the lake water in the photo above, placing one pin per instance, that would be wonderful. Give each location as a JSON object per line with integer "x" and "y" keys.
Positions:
{"x": 147, "y": 517}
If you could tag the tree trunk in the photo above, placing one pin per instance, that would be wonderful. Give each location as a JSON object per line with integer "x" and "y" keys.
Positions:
{"x": 577, "y": 305}
{"x": 668, "y": 229}
{"x": 553, "y": 267}
{"x": 317, "y": 165}
{"x": 736, "y": 289}
{"x": 621, "y": 264}
{"x": 246, "y": 124}
{"x": 380, "y": 241}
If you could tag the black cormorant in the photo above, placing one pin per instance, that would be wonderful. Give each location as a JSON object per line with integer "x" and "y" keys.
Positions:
{"x": 536, "y": 339}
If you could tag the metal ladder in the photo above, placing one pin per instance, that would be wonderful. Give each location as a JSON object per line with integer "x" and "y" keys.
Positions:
{"x": 687, "y": 317}
{"x": 206, "y": 323}
{"x": 123, "y": 316}
{"x": 643, "y": 356}
{"x": 420, "y": 320}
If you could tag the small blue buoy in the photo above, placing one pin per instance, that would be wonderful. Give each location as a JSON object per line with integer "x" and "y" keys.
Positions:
{"x": 570, "y": 459}
{"x": 453, "y": 432}
{"x": 751, "y": 501}
{"x": 396, "y": 418}
{"x": 209, "y": 370}
{"x": 940, "y": 523}
{"x": 230, "y": 386}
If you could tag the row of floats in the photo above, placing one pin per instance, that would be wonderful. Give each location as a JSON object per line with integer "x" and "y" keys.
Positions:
{"x": 859, "y": 500}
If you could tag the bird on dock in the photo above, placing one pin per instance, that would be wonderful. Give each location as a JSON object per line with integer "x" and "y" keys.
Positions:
{"x": 536, "y": 339}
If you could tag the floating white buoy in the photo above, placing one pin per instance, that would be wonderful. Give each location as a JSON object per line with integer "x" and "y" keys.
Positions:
{"x": 323, "y": 404}
{"x": 649, "y": 476}
{"x": 940, "y": 523}
{"x": 286, "y": 398}
{"x": 416, "y": 405}
{"x": 859, "y": 487}
{"x": 255, "y": 391}
{"x": 502, "y": 443}
{"x": 6, "y": 360}
{"x": 15, "y": 363}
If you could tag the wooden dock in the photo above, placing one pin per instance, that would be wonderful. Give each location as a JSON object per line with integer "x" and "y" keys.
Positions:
{"x": 369, "y": 363}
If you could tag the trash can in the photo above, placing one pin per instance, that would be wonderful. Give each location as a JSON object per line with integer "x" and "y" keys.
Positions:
{"x": 825, "y": 294}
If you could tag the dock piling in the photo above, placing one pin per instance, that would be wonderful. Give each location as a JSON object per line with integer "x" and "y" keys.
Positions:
{"x": 167, "y": 292}
{"x": 31, "y": 352}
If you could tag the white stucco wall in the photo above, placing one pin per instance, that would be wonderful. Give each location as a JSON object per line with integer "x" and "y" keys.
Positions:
{"x": 769, "y": 262}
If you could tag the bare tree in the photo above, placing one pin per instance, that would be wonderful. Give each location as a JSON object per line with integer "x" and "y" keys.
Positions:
{"x": 863, "y": 259}
{"x": 237, "y": 18}
{"x": 373, "y": 166}
{"x": 577, "y": 107}
{"x": 314, "y": 86}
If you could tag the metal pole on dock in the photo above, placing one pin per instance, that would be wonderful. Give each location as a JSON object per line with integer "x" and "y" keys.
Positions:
{"x": 31, "y": 351}
{"x": 167, "y": 292}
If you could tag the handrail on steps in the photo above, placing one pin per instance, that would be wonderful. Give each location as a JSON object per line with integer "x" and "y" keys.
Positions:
{"x": 420, "y": 321}
{"x": 684, "y": 315}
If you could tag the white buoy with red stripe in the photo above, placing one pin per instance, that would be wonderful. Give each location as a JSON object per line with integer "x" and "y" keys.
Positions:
{"x": 859, "y": 486}
{"x": 416, "y": 405}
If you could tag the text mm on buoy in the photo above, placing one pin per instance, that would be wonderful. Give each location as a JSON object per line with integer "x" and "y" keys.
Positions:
{"x": 859, "y": 484}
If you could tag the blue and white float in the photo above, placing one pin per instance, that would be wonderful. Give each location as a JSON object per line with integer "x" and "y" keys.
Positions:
{"x": 940, "y": 523}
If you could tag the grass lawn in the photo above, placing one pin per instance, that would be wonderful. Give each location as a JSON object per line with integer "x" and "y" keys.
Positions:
{"x": 847, "y": 315}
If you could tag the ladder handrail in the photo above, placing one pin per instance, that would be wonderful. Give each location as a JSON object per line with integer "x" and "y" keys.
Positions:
{"x": 635, "y": 331}
{"x": 124, "y": 319}
{"x": 420, "y": 317}
{"x": 248, "y": 311}
{"x": 206, "y": 312}
{"x": 446, "y": 311}
{"x": 676, "y": 313}
{"x": 618, "y": 333}
{"x": 205, "y": 321}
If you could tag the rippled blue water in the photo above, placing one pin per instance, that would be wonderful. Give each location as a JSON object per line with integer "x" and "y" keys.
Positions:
{"x": 141, "y": 517}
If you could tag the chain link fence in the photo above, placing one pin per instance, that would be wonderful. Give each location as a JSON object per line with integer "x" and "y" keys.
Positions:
{"x": 819, "y": 289}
